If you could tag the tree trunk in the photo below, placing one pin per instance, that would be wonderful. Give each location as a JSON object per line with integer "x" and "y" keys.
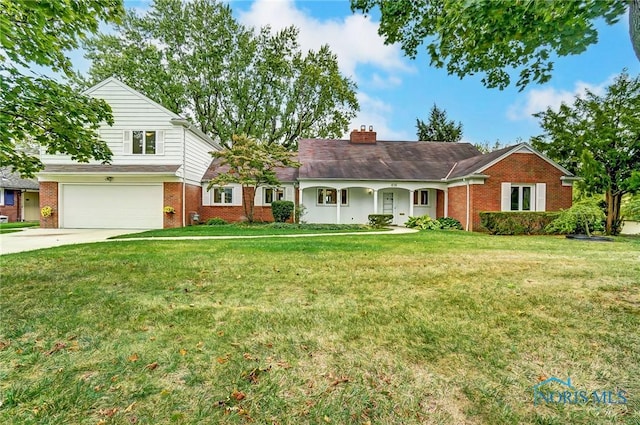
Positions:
{"x": 248, "y": 202}
{"x": 613, "y": 212}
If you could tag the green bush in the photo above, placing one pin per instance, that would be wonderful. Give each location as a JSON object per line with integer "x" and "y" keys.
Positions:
{"x": 380, "y": 220}
{"x": 449, "y": 223}
{"x": 584, "y": 216}
{"x": 517, "y": 222}
{"x": 422, "y": 223}
{"x": 282, "y": 210}
{"x": 631, "y": 209}
{"x": 216, "y": 221}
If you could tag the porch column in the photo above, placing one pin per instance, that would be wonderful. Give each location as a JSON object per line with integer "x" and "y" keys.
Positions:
{"x": 338, "y": 202}
{"x": 446, "y": 202}
{"x": 375, "y": 201}
{"x": 299, "y": 202}
{"x": 411, "y": 203}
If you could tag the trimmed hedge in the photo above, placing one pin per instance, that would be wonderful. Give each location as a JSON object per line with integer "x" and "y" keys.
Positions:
{"x": 380, "y": 220}
{"x": 517, "y": 222}
{"x": 281, "y": 210}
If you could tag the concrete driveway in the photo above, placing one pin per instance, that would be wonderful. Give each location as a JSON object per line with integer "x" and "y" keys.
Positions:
{"x": 31, "y": 239}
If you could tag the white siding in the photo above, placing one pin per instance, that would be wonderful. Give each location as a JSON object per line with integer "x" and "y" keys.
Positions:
{"x": 197, "y": 157}
{"x": 132, "y": 111}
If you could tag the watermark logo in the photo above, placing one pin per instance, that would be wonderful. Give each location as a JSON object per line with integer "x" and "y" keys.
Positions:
{"x": 556, "y": 391}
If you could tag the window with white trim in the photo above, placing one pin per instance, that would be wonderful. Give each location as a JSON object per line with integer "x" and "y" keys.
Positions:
{"x": 522, "y": 197}
{"x": 328, "y": 196}
{"x": 421, "y": 197}
{"x": 222, "y": 195}
{"x": 273, "y": 194}
{"x": 143, "y": 142}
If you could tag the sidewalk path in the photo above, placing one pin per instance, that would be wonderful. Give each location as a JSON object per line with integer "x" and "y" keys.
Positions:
{"x": 31, "y": 238}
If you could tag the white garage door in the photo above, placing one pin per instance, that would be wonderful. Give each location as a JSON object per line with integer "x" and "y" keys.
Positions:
{"x": 111, "y": 206}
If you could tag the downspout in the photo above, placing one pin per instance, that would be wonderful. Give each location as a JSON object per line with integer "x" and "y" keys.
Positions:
{"x": 468, "y": 207}
{"x": 184, "y": 172}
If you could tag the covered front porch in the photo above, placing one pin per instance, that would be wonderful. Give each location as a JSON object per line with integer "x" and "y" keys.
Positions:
{"x": 351, "y": 202}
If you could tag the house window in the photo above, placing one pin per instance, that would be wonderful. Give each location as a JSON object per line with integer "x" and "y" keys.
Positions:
{"x": 330, "y": 196}
{"x": 421, "y": 197}
{"x": 521, "y": 198}
{"x": 144, "y": 142}
{"x": 273, "y": 194}
{"x": 222, "y": 195}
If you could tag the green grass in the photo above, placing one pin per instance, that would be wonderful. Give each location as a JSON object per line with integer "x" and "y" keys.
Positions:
{"x": 431, "y": 327}
{"x": 17, "y": 226}
{"x": 256, "y": 229}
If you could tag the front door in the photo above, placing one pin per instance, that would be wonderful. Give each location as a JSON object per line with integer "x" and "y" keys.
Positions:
{"x": 31, "y": 206}
{"x": 387, "y": 203}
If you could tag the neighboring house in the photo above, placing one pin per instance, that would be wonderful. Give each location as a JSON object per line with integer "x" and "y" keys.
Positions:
{"x": 158, "y": 161}
{"x": 343, "y": 181}
{"x": 18, "y": 197}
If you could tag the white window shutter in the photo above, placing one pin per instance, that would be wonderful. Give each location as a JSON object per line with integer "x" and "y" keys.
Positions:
{"x": 541, "y": 196}
{"x": 259, "y": 199}
{"x": 289, "y": 194}
{"x": 126, "y": 142}
{"x": 236, "y": 194}
{"x": 206, "y": 195}
{"x": 506, "y": 197}
{"x": 160, "y": 142}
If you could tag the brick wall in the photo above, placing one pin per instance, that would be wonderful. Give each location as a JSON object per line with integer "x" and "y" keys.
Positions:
{"x": 12, "y": 211}
{"x": 173, "y": 198}
{"x": 235, "y": 213}
{"x": 518, "y": 168}
{"x": 458, "y": 204}
{"x": 193, "y": 196}
{"x": 49, "y": 197}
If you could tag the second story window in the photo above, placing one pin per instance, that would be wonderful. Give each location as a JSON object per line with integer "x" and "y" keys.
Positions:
{"x": 143, "y": 142}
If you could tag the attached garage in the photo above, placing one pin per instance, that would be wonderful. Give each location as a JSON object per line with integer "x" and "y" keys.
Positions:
{"x": 111, "y": 206}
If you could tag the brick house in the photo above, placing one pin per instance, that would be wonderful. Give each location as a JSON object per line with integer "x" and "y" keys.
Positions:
{"x": 19, "y": 198}
{"x": 161, "y": 160}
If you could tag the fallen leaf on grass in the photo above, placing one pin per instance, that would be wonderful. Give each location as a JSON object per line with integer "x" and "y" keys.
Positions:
{"x": 4, "y": 344}
{"x": 130, "y": 407}
{"x": 108, "y": 412}
{"x": 183, "y": 352}
{"x": 238, "y": 395}
{"x": 57, "y": 347}
{"x": 199, "y": 345}
{"x": 340, "y": 380}
{"x": 248, "y": 356}
{"x": 151, "y": 366}
{"x": 134, "y": 357}
{"x": 223, "y": 359}
{"x": 252, "y": 375}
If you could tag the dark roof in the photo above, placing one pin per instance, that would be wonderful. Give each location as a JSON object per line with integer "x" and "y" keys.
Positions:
{"x": 340, "y": 159}
{"x": 288, "y": 174}
{"x": 471, "y": 165}
{"x": 11, "y": 180}
{"x": 101, "y": 169}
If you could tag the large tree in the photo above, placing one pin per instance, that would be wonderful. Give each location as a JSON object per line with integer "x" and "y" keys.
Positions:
{"x": 496, "y": 37}
{"x": 252, "y": 164}
{"x": 438, "y": 128}
{"x": 598, "y": 138}
{"x": 197, "y": 60}
{"x": 35, "y": 109}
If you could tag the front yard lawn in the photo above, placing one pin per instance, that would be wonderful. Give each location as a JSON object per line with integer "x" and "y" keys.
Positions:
{"x": 423, "y": 328}
{"x": 17, "y": 226}
{"x": 243, "y": 229}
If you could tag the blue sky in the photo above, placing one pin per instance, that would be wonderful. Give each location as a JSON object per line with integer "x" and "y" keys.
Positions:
{"x": 393, "y": 90}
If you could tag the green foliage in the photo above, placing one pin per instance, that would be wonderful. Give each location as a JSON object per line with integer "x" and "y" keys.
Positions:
{"x": 427, "y": 223}
{"x": 197, "y": 60}
{"x": 252, "y": 164}
{"x": 380, "y": 220}
{"x": 517, "y": 222}
{"x": 216, "y": 221}
{"x": 438, "y": 129}
{"x": 422, "y": 223}
{"x": 449, "y": 223}
{"x": 35, "y": 110}
{"x": 631, "y": 209}
{"x": 598, "y": 139}
{"x": 584, "y": 216}
{"x": 494, "y": 37}
{"x": 282, "y": 210}
{"x": 299, "y": 213}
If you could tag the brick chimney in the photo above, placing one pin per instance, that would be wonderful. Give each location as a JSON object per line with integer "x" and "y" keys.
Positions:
{"x": 363, "y": 137}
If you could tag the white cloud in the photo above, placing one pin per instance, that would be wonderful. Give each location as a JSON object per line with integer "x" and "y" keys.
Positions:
{"x": 375, "y": 112}
{"x": 354, "y": 38}
{"x": 380, "y": 82}
{"x": 538, "y": 100}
